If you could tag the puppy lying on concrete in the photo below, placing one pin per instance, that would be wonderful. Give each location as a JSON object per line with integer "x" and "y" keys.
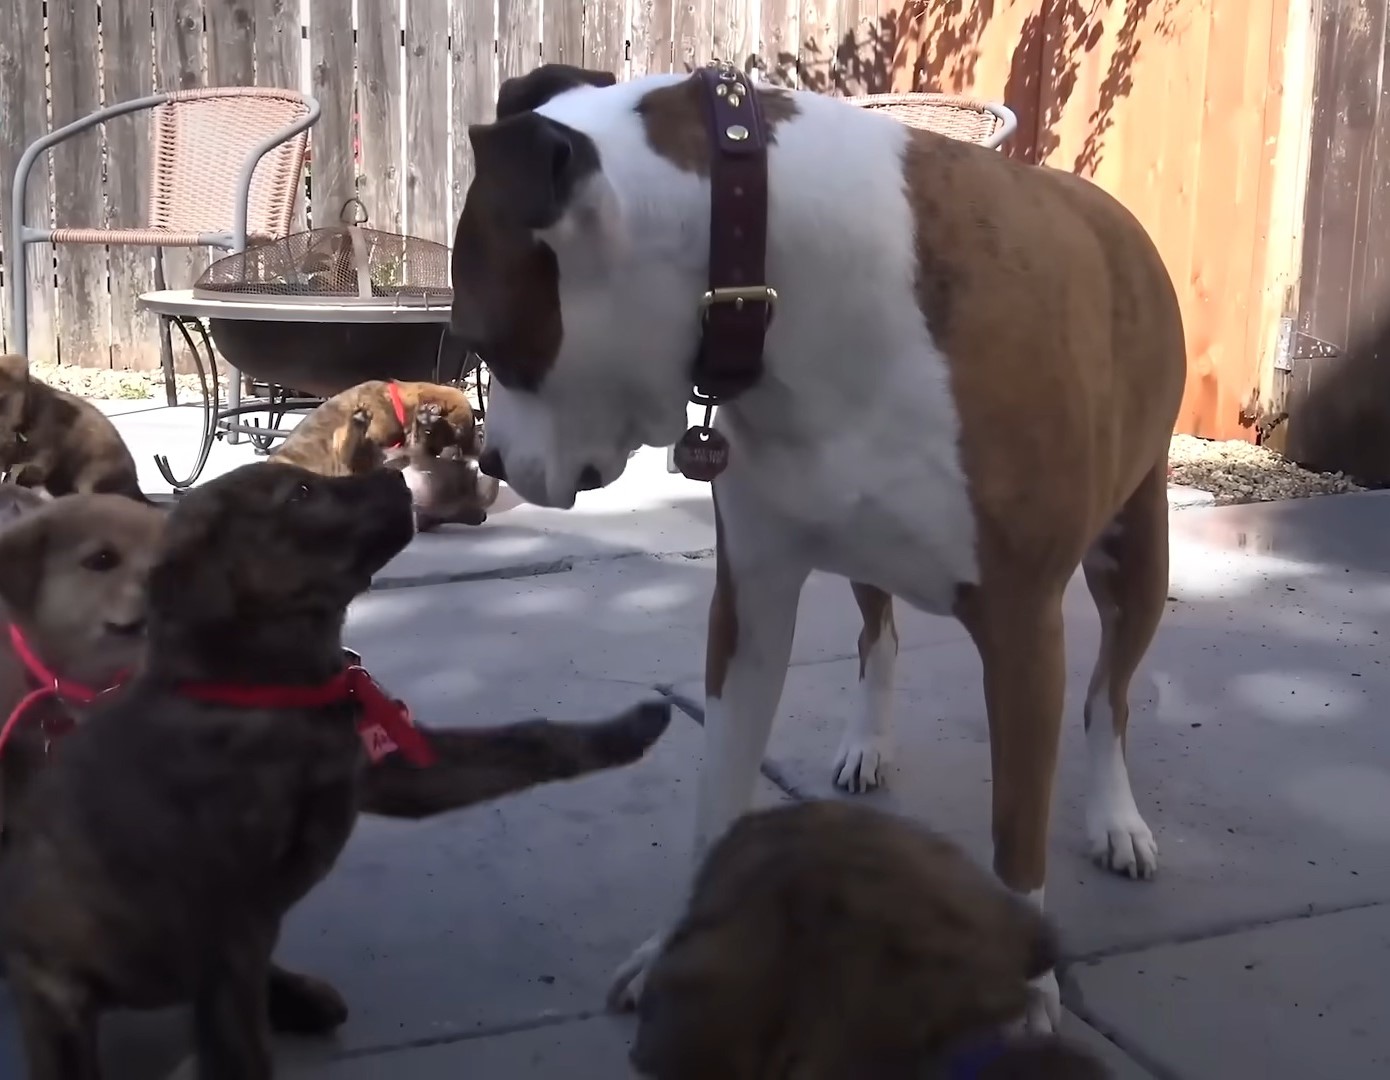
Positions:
{"x": 54, "y": 440}
{"x": 426, "y": 430}
{"x": 829, "y": 941}
{"x": 151, "y": 860}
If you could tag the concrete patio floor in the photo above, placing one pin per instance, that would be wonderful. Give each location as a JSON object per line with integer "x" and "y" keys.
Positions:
{"x": 480, "y": 944}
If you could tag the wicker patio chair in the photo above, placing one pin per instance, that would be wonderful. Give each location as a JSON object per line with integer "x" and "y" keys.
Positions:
{"x": 225, "y": 168}
{"x": 964, "y": 118}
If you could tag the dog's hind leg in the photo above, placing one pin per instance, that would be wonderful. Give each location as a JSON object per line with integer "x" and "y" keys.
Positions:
{"x": 475, "y": 765}
{"x": 231, "y": 1014}
{"x": 1127, "y": 572}
{"x": 58, "y": 1028}
{"x": 865, "y": 750}
{"x": 758, "y": 578}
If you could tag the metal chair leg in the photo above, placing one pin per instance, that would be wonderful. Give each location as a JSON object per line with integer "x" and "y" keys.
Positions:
{"x": 211, "y": 405}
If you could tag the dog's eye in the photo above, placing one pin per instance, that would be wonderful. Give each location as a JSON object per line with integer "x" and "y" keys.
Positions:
{"x": 102, "y": 560}
{"x": 298, "y": 493}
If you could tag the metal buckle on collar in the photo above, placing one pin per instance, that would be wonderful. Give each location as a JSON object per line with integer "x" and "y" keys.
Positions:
{"x": 738, "y": 295}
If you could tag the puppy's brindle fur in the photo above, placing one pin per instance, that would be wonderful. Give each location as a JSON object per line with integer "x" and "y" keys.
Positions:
{"x": 151, "y": 862}
{"x": 352, "y": 432}
{"x": 830, "y": 941}
{"x": 54, "y": 440}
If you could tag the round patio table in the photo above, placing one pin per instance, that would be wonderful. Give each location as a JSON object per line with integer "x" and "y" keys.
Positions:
{"x": 190, "y": 312}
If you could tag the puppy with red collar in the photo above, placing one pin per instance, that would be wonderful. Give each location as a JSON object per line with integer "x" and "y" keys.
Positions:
{"x": 426, "y": 430}
{"x": 947, "y": 376}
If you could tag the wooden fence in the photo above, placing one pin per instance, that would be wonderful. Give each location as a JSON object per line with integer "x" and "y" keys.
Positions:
{"x": 1191, "y": 117}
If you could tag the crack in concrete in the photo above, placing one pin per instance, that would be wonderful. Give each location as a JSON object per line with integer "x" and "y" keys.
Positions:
{"x": 483, "y": 1031}
{"x": 513, "y": 571}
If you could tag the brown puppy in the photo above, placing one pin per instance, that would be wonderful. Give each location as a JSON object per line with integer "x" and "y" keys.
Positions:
{"x": 353, "y": 431}
{"x": 445, "y": 482}
{"x": 72, "y": 596}
{"x": 151, "y": 861}
{"x": 54, "y": 440}
{"x": 830, "y": 941}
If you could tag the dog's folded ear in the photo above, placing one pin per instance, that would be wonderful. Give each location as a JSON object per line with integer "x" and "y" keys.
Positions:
{"x": 13, "y": 366}
{"x": 188, "y": 579}
{"x": 529, "y": 165}
{"x": 522, "y": 93}
{"x": 23, "y": 544}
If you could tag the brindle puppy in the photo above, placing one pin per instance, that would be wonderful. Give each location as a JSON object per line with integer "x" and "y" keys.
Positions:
{"x": 54, "y": 440}
{"x": 830, "y": 941}
{"x": 152, "y": 860}
{"x": 355, "y": 430}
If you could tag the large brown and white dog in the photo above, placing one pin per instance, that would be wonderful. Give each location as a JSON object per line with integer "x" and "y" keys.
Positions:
{"x": 969, "y": 385}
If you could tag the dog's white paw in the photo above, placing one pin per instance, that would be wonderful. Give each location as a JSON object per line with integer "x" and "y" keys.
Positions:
{"x": 1044, "y": 1012}
{"x": 861, "y": 762}
{"x": 1120, "y": 841}
{"x": 625, "y": 989}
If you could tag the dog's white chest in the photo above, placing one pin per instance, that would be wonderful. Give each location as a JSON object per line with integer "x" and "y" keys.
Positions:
{"x": 882, "y": 502}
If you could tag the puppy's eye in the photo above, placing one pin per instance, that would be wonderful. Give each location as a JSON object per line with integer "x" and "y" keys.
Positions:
{"x": 298, "y": 493}
{"x": 102, "y": 560}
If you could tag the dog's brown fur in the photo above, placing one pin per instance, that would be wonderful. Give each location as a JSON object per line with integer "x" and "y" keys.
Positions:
{"x": 445, "y": 482}
{"x": 151, "y": 861}
{"x": 353, "y": 431}
{"x": 54, "y": 440}
{"x": 830, "y": 941}
{"x": 72, "y": 578}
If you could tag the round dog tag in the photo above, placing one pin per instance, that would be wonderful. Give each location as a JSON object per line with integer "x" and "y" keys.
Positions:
{"x": 702, "y": 454}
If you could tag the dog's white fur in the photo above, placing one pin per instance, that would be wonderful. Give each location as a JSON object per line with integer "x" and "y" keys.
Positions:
{"x": 844, "y": 457}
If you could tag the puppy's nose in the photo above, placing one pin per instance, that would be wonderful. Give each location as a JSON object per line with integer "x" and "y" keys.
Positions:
{"x": 132, "y": 627}
{"x": 589, "y": 478}
{"x": 490, "y": 461}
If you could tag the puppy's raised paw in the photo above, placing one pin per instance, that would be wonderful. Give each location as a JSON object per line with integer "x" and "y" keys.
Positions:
{"x": 303, "y": 1005}
{"x": 361, "y": 418}
{"x": 626, "y": 738}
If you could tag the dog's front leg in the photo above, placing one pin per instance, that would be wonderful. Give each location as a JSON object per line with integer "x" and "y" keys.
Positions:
{"x": 1017, "y": 627}
{"x": 752, "y": 619}
{"x": 59, "y": 1031}
{"x": 231, "y": 1015}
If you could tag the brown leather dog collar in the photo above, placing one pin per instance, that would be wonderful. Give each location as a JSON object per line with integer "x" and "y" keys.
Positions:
{"x": 738, "y": 305}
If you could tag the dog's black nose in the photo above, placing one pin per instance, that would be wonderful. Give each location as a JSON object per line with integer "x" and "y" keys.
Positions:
{"x": 490, "y": 461}
{"x": 589, "y": 479}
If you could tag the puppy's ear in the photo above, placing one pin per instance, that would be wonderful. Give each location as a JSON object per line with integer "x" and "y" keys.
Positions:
{"x": 23, "y": 545}
{"x": 13, "y": 366}
{"x": 187, "y": 580}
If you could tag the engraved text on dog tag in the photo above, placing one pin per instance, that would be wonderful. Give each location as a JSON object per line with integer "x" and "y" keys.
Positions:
{"x": 702, "y": 454}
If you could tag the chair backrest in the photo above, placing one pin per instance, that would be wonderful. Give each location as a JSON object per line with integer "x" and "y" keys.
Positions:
{"x": 200, "y": 143}
{"x": 964, "y": 118}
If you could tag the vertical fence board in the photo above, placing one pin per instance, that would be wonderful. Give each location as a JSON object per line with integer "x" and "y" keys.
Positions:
{"x": 23, "y": 118}
{"x": 231, "y": 42}
{"x": 605, "y": 35}
{"x": 518, "y": 37}
{"x": 426, "y": 124}
{"x": 778, "y": 32}
{"x": 128, "y": 73}
{"x": 378, "y": 116}
{"x": 83, "y": 306}
{"x": 861, "y": 66}
{"x": 473, "y": 34}
{"x": 278, "y": 33}
{"x": 734, "y": 33}
{"x": 332, "y": 172}
{"x": 179, "y": 65}
{"x": 816, "y": 45}
{"x": 691, "y": 32}
{"x": 562, "y": 31}
{"x": 651, "y": 36}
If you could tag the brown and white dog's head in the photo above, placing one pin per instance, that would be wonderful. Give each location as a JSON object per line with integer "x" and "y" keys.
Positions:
{"x": 585, "y": 311}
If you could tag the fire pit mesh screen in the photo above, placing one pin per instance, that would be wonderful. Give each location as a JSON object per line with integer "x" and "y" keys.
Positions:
{"x": 339, "y": 265}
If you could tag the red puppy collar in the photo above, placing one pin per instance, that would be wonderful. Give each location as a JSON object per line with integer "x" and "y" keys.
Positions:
{"x": 398, "y": 405}
{"x": 385, "y": 725}
{"x": 47, "y": 685}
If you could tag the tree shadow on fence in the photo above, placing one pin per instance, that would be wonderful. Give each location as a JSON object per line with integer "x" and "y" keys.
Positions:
{"x": 938, "y": 46}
